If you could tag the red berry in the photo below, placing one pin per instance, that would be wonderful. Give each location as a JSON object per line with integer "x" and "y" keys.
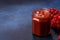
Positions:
{"x": 52, "y": 10}
{"x": 53, "y": 23}
{"x": 52, "y": 15}
{"x": 56, "y": 12}
{"x": 55, "y": 17}
{"x": 58, "y": 22}
{"x": 59, "y": 17}
{"x": 59, "y": 37}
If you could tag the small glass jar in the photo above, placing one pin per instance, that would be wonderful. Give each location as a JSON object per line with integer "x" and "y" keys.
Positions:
{"x": 41, "y": 22}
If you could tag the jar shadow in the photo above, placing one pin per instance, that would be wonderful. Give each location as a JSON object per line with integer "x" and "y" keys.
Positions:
{"x": 42, "y": 38}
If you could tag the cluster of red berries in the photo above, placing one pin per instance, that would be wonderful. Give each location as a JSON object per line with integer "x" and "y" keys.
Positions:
{"x": 55, "y": 18}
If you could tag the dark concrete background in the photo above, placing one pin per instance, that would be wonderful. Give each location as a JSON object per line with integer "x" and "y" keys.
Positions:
{"x": 15, "y": 18}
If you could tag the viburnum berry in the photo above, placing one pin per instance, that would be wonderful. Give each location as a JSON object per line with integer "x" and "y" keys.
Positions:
{"x": 58, "y": 22}
{"x": 59, "y": 37}
{"x": 55, "y": 20}
{"x": 51, "y": 10}
{"x": 55, "y": 17}
{"x": 56, "y": 12}
{"x": 53, "y": 23}
{"x": 52, "y": 16}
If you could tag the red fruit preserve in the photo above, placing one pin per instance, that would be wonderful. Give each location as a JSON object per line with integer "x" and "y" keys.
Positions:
{"x": 41, "y": 22}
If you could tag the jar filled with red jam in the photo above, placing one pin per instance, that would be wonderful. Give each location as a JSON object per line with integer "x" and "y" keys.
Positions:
{"x": 41, "y": 22}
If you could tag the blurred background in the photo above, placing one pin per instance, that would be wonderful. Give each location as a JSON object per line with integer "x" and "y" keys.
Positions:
{"x": 15, "y": 18}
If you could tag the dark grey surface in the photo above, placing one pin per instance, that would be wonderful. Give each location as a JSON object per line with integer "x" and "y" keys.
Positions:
{"x": 15, "y": 19}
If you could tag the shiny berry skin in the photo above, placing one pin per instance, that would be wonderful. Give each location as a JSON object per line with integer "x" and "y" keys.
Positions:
{"x": 56, "y": 12}
{"x": 51, "y": 10}
{"x": 58, "y": 22}
{"x": 55, "y": 22}
{"x": 52, "y": 16}
{"x": 59, "y": 37}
